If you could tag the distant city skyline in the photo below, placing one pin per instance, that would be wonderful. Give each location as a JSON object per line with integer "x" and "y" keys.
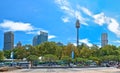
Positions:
{"x": 57, "y": 17}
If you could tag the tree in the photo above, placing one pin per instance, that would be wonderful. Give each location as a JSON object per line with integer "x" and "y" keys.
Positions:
{"x": 32, "y": 59}
{"x": 77, "y": 52}
{"x": 1, "y": 56}
{"x": 81, "y": 60}
{"x": 95, "y": 59}
{"x": 20, "y": 53}
{"x": 94, "y": 50}
{"x": 67, "y": 50}
{"x": 67, "y": 60}
{"x": 85, "y": 52}
{"x": 108, "y": 58}
{"x": 107, "y": 50}
{"x": 34, "y": 51}
{"x": 49, "y": 58}
{"x": 48, "y": 48}
{"x": 58, "y": 52}
{"x": 7, "y": 54}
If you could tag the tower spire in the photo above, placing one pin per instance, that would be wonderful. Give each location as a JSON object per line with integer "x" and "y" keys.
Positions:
{"x": 77, "y": 27}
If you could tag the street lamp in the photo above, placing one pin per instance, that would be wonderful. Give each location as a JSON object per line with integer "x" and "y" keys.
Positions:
{"x": 77, "y": 27}
{"x": 12, "y": 57}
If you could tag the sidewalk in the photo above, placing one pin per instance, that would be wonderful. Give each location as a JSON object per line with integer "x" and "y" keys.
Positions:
{"x": 68, "y": 70}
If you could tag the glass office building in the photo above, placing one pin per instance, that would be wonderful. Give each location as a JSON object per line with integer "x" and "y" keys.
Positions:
{"x": 8, "y": 40}
{"x": 38, "y": 39}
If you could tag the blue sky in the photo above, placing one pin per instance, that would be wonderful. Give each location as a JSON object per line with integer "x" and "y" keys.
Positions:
{"x": 57, "y": 17}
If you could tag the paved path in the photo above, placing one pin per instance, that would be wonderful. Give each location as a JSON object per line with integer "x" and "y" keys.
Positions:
{"x": 68, "y": 70}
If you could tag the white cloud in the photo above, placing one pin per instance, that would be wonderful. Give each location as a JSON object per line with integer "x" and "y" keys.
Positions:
{"x": 33, "y": 32}
{"x": 51, "y": 37}
{"x": 16, "y": 26}
{"x": 100, "y": 18}
{"x": 37, "y": 31}
{"x": 62, "y": 2}
{"x": 117, "y": 41}
{"x": 111, "y": 23}
{"x": 74, "y": 44}
{"x": 86, "y": 41}
{"x": 86, "y": 11}
{"x": 65, "y": 8}
{"x": 114, "y": 26}
{"x": 30, "y": 32}
{"x": 97, "y": 18}
{"x": 99, "y": 46}
{"x": 65, "y": 19}
{"x": 79, "y": 16}
{"x": 70, "y": 13}
{"x": 9, "y": 25}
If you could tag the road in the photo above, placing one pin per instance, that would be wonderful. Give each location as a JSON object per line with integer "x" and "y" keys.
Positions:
{"x": 68, "y": 70}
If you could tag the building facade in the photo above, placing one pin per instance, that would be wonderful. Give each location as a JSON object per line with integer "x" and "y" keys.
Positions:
{"x": 35, "y": 40}
{"x": 60, "y": 44}
{"x": 38, "y": 39}
{"x": 43, "y": 36}
{"x": 8, "y": 40}
{"x": 19, "y": 44}
{"x": 104, "y": 39}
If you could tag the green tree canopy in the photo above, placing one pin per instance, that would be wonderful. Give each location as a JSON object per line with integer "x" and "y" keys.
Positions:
{"x": 32, "y": 58}
{"x": 7, "y": 54}
{"x": 67, "y": 59}
{"x": 48, "y": 48}
{"x": 85, "y": 52}
{"x": 49, "y": 58}
{"x": 1, "y": 56}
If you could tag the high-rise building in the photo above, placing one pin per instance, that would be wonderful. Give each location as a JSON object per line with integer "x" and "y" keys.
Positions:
{"x": 8, "y": 40}
{"x": 60, "y": 44}
{"x": 35, "y": 38}
{"x": 104, "y": 39}
{"x": 38, "y": 39}
{"x": 43, "y": 36}
{"x": 19, "y": 44}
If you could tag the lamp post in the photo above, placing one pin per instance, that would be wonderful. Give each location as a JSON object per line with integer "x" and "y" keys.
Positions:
{"x": 77, "y": 27}
{"x": 12, "y": 57}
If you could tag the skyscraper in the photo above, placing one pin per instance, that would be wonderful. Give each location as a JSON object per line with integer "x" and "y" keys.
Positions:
{"x": 8, "y": 40}
{"x": 38, "y": 39}
{"x": 19, "y": 44}
{"x": 35, "y": 38}
{"x": 104, "y": 39}
{"x": 43, "y": 36}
